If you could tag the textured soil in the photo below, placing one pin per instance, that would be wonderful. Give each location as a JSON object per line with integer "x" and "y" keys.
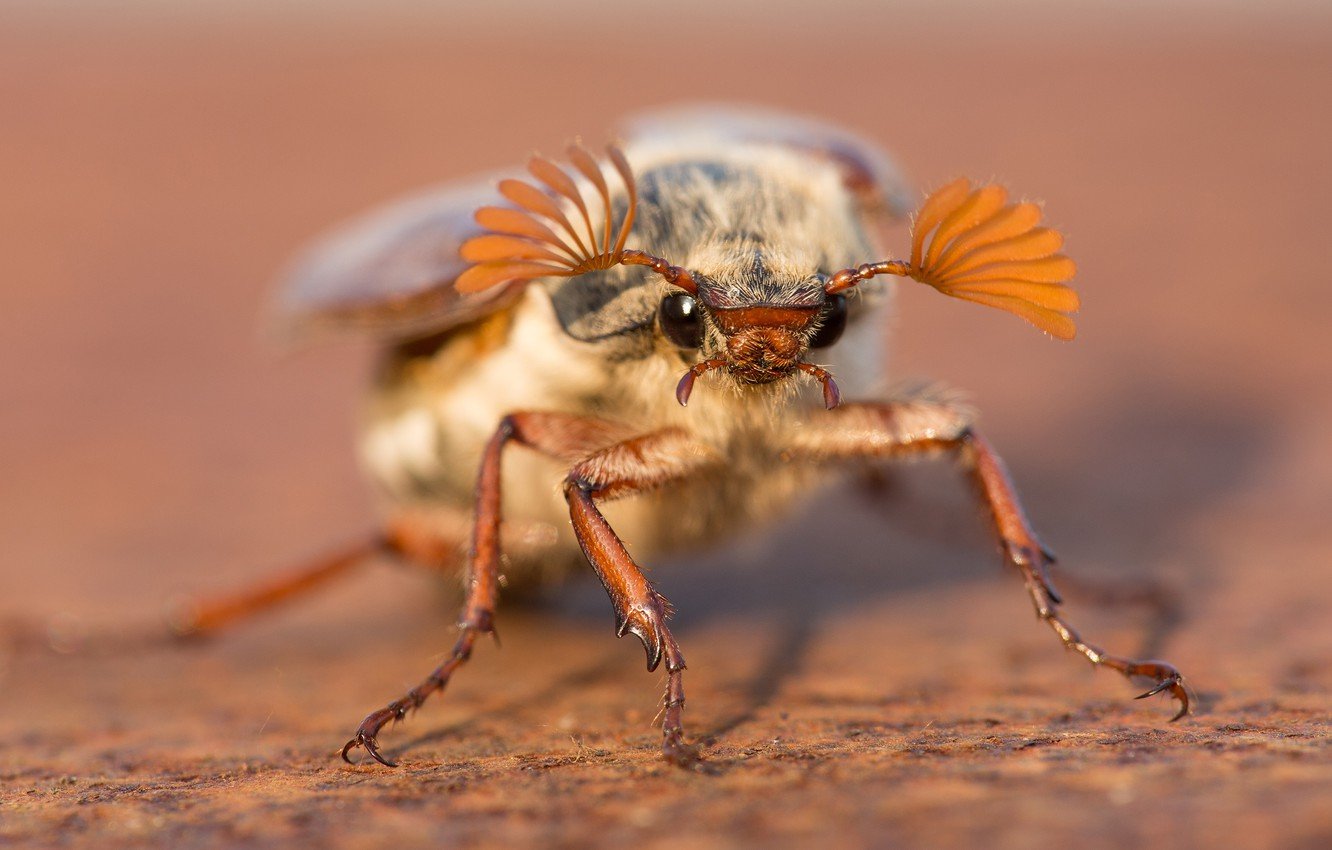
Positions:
{"x": 864, "y": 676}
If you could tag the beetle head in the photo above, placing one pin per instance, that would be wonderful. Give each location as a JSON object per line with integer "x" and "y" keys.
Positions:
{"x": 981, "y": 248}
{"x": 754, "y": 314}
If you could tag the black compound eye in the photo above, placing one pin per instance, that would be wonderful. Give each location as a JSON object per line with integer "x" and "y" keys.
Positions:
{"x": 833, "y": 322}
{"x": 680, "y": 320}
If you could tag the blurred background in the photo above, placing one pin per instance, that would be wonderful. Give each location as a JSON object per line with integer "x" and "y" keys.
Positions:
{"x": 161, "y": 162}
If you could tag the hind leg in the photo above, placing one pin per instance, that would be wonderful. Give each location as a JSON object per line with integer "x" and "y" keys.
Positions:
{"x": 432, "y": 538}
{"x": 209, "y": 615}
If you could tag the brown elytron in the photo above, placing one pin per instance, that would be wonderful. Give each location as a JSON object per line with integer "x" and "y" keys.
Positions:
{"x": 743, "y": 304}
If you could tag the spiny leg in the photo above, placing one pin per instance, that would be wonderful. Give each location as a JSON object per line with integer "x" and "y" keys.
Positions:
{"x": 894, "y": 429}
{"x": 558, "y": 435}
{"x": 1160, "y": 601}
{"x": 632, "y": 467}
{"x": 1026, "y": 553}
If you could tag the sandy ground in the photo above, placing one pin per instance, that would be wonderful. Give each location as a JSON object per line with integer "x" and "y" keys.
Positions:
{"x": 864, "y": 677}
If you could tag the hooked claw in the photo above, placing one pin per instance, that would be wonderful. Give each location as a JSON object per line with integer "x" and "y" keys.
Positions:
{"x": 367, "y": 732}
{"x": 1167, "y": 679}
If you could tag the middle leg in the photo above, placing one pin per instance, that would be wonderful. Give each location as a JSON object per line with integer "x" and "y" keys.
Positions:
{"x": 915, "y": 427}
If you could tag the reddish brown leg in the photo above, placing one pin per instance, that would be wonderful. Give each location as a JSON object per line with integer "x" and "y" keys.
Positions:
{"x": 631, "y": 467}
{"x": 414, "y": 536}
{"x": 1026, "y": 553}
{"x": 207, "y": 616}
{"x": 558, "y": 435}
{"x": 862, "y": 430}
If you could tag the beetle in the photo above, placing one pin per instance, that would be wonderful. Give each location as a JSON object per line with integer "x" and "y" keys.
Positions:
{"x": 728, "y": 251}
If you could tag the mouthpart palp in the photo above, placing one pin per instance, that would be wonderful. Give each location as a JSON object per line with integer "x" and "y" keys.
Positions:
{"x": 686, "y": 386}
{"x": 832, "y": 396}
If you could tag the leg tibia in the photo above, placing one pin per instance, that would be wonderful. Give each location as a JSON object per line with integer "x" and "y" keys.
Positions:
{"x": 632, "y": 467}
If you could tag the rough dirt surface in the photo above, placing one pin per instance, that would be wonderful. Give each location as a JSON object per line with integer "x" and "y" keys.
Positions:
{"x": 867, "y": 676}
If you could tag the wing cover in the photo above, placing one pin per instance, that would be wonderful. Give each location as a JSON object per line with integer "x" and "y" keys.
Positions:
{"x": 390, "y": 272}
{"x": 868, "y": 170}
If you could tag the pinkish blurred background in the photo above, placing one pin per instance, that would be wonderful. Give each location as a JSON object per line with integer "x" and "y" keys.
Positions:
{"x": 160, "y": 163}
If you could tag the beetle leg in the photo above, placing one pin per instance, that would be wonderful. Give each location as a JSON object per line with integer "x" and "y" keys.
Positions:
{"x": 1022, "y": 548}
{"x": 202, "y": 617}
{"x": 558, "y": 435}
{"x": 632, "y": 467}
{"x": 428, "y": 539}
{"x": 914, "y": 427}
{"x": 1032, "y": 559}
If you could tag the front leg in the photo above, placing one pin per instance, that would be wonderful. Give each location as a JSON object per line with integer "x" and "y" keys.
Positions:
{"x": 632, "y": 467}
{"x": 913, "y": 427}
{"x": 557, "y": 435}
